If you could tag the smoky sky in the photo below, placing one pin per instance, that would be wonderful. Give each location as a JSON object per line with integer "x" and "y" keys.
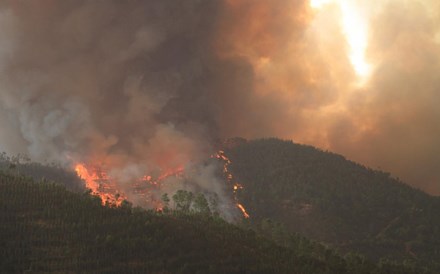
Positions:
{"x": 146, "y": 85}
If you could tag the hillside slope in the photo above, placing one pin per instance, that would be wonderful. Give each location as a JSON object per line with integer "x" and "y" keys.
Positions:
{"x": 45, "y": 228}
{"x": 328, "y": 198}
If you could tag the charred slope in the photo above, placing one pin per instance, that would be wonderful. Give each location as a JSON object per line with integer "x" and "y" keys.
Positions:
{"x": 44, "y": 228}
{"x": 328, "y": 198}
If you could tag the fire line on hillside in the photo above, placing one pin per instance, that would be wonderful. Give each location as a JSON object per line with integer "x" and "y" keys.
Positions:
{"x": 105, "y": 187}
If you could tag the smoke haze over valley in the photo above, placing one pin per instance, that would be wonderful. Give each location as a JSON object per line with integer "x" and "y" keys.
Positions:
{"x": 146, "y": 87}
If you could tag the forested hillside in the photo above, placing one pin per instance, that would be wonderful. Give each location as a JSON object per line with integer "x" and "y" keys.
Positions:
{"x": 328, "y": 198}
{"x": 45, "y": 228}
{"x": 21, "y": 165}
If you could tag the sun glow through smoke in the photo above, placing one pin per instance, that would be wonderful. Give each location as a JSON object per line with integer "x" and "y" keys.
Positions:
{"x": 316, "y": 4}
{"x": 355, "y": 29}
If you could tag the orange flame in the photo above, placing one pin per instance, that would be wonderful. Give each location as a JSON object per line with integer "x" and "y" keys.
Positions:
{"x": 90, "y": 179}
{"x": 106, "y": 188}
{"x": 220, "y": 155}
{"x": 243, "y": 210}
{"x": 100, "y": 185}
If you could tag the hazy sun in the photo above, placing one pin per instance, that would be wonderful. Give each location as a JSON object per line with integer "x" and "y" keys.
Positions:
{"x": 355, "y": 28}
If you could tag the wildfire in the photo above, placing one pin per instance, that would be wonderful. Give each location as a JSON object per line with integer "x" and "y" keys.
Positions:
{"x": 90, "y": 179}
{"x": 100, "y": 184}
{"x": 178, "y": 172}
{"x": 106, "y": 188}
{"x": 228, "y": 175}
{"x": 243, "y": 210}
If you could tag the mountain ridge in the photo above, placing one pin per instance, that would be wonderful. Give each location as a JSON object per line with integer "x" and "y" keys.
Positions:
{"x": 45, "y": 228}
{"x": 360, "y": 209}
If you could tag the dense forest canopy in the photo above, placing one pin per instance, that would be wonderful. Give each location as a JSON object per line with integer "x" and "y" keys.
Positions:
{"x": 290, "y": 190}
{"x": 328, "y": 198}
{"x": 45, "y": 228}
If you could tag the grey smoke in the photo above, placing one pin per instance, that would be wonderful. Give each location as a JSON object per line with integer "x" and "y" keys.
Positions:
{"x": 141, "y": 86}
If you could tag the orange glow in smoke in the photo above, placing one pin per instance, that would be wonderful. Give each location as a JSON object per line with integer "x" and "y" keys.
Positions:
{"x": 106, "y": 188}
{"x": 355, "y": 27}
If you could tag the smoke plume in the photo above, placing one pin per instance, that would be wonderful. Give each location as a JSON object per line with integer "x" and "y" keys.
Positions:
{"x": 145, "y": 86}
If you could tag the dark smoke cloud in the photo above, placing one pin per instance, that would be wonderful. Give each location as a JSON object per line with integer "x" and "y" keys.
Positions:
{"x": 142, "y": 86}
{"x": 131, "y": 86}
{"x": 109, "y": 80}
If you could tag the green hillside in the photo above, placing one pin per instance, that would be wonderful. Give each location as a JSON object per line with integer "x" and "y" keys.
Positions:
{"x": 45, "y": 228}
{"x": 330, "y": 199}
